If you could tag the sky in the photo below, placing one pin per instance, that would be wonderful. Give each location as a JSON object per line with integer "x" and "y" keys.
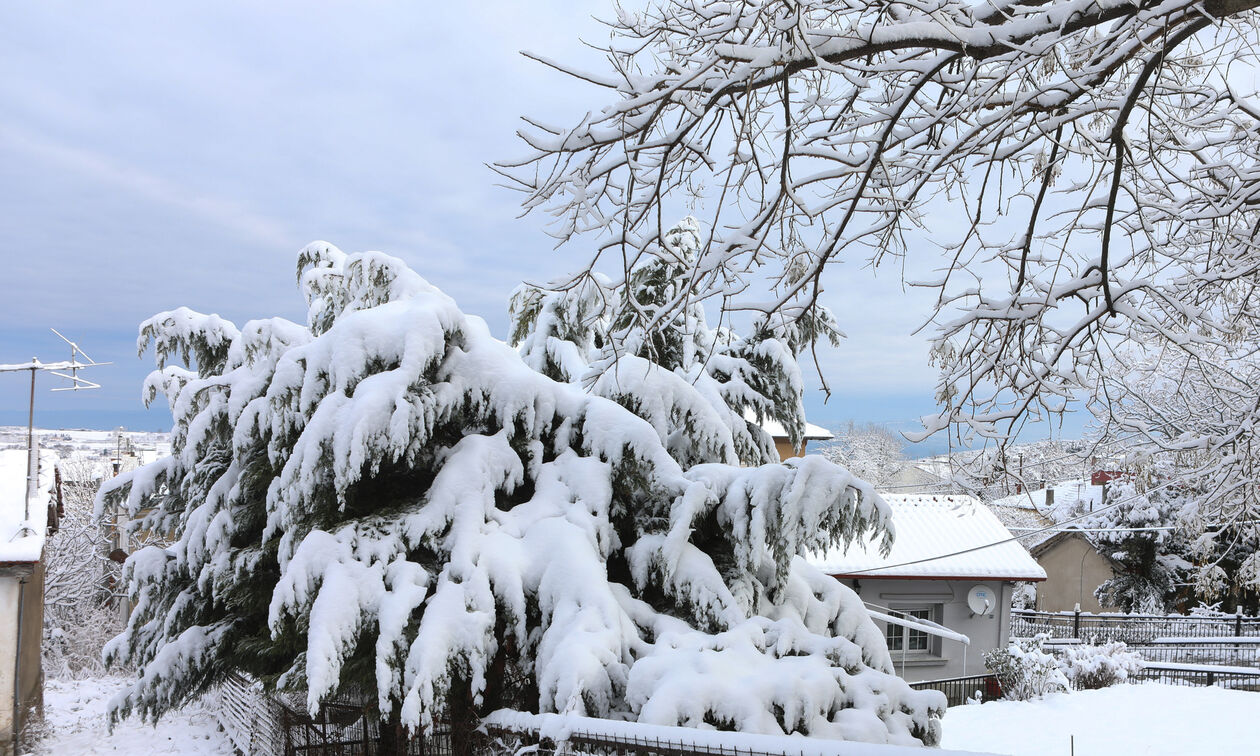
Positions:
{"x": 163, "y": 155}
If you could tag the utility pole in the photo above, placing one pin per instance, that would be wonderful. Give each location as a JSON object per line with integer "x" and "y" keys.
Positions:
{"x": 73, "y": 365}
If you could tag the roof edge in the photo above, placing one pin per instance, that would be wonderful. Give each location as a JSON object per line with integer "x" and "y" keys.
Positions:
{"x": 875, "y": 575}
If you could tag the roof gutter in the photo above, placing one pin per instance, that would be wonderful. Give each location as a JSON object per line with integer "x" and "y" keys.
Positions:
{"x": 981, "y": 578}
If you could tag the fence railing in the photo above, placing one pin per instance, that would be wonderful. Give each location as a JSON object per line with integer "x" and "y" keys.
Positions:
{"x": 249, "y": 716}
{"x": 1204, "y": 676}
{"x": 1239, "y": 654}
{"x": 566, "y": 734}
{"x": 959, "y": 690}
{"x": 268, "y": 724}
{"x": 1133, "y": 629}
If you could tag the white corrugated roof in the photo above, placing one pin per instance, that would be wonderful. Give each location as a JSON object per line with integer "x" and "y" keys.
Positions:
{"x": 932, "y": 526}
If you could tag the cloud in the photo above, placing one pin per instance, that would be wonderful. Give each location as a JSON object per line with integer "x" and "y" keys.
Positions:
{"x": 102, "y": 168}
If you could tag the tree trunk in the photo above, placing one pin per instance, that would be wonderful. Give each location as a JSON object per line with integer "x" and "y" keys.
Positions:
{"x": 463, "y": 718}
{"x": 393, "y": 736}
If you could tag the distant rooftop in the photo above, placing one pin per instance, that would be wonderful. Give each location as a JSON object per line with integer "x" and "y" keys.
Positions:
{"x": 22, "y": 539}
{"x": 931, "y": 526}
{"x": 776, "y": 429}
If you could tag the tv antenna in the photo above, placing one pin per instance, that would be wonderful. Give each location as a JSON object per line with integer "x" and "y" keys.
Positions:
{"x": 77, "y": 383}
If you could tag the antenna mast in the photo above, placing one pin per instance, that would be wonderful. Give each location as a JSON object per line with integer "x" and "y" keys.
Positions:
{"x": 76, "y": 384}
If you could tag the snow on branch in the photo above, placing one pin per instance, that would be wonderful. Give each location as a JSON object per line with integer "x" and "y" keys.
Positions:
{"x": 391, "y": 502}
{"x": 1096, "y": 160}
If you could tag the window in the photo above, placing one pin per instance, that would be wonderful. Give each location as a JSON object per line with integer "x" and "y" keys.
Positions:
{"x": 910, "y": 640}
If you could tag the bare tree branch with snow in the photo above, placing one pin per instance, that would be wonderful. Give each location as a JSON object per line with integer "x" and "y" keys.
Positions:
{"x": 1086, "y": 170}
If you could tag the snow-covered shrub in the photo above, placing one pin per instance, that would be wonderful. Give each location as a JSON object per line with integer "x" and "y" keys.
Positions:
{"x": 1026, "y": 671}
{"x": 1089, "y": 667}
{"x": 80, "y": 614}
{"x": 389, "y": 499}
{"x": 1148, "y": 563}
{"x": 73, "y": 641}
{"x": 1024, "y": 595}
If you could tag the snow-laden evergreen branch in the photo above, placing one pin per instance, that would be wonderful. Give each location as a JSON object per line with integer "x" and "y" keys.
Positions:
{"x": 390, "y": 501}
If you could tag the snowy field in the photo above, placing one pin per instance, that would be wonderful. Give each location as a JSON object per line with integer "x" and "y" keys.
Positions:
{"x": 1125, "y": 720}
{"x": 78, "y": 726}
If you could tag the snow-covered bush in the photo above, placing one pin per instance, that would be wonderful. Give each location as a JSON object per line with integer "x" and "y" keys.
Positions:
{"x": 1149, "y": 565}
{"x": 389, "y": 499}
{"x": 1090, "y": 667}
{"x": 870, "y": 451}
{"x": 80, "y": 614}
{"x": 1024, "y": 595}
{"x": 1025, "y": 671}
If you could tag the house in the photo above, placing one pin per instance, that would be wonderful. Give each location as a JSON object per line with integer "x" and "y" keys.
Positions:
{"x": 966, "y": 593}
{"x": 1073, "y": 564}
{"x": 29, "y": 507}
{"x": 781, "y": 441}
{"x": 1074, "y": 570}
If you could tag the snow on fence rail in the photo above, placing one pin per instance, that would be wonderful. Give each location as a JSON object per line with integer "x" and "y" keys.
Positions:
{"x": 1202, "y": 675}
{"x": 567, "y": 733}
{"x": 1133, "y": 629}
{"x": 1191, "y": 651}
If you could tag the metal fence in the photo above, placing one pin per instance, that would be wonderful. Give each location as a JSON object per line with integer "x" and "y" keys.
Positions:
{"x": 501, "y": 742}
{"x": 269, "y": 724}
{"x": 1190, "y": 652}
{"x": 510, "y": 732}
{"x": 959, "y": 690}
{"x": 250, "y": 716}
{"x": 266, "y": 724}
{"x": 1133, "y": 629}
{"x": 1199, "y": 678}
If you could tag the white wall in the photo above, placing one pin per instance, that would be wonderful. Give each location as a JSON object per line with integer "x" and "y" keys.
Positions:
{"x": 9, "y": 593}
{"x": 945, "y": 657}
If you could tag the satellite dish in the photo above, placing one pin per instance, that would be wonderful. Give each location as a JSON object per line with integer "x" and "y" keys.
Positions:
{"x": 980, "y": 599}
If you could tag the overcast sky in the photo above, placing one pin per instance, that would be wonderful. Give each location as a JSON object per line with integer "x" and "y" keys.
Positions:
{"x": 156, "y": 155}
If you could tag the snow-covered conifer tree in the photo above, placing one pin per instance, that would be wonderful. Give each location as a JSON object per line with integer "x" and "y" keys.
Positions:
{"x": 649, "y": 347}
{"x": 388, "y": 499}
{"x": 1149, "y": 561}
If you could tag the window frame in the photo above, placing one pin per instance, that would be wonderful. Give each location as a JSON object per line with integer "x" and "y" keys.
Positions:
{"x": 898, "y": 638}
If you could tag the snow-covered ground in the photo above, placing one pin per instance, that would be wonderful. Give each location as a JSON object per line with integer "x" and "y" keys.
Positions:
{"x": 77, "y": 725}
{"x": 1125, "y": 720}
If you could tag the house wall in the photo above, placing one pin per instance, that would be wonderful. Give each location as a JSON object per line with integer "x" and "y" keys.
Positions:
{"x": 9, "y": 591}
{"x": 784, "y": 447}
{"x": 1073, "y": 569}
{"x": 948, "y": 598}
{"x": 21, "y": 673}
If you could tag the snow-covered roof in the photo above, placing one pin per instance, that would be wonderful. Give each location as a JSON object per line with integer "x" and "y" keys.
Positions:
{"x": 776, "y": 429}
{"x": 1067, "y": 496}
{"x": 932, "y": 526}
{"x": 22, "y": 539}
{"x": 1023, "y": 519}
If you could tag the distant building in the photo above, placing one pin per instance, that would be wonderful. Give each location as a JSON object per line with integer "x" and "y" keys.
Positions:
{"x": 1074, "y": 569}
{"x": 1073, "y": 564}
{"x": 783, "y": 444}
{"x": 28, "y": 514}
{"x": 911, "y": 581}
